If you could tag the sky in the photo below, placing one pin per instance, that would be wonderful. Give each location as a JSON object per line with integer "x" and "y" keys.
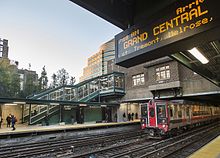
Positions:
{"x": 52, "y": 33}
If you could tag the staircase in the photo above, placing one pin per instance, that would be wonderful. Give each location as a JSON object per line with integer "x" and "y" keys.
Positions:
{"x": 86, "y": 91}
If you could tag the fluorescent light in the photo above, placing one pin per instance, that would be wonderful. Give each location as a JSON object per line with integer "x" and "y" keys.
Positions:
{"x": 82, "y": 104}
{"x": 54, "y": 104}
{"x": 19, "y": 102}
{"x": 67, "y": 88}
{"x": 198, "y": 55}
{"x": 10, "y": 104}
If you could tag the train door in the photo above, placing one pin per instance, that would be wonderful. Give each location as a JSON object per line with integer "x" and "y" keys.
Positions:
{"x": 161, "y": 113}
{"x": 152, "y": 120}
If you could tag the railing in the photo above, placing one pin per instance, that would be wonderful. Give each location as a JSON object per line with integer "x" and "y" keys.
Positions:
{"x": 109, "y": 84}
{"x": 47, "y": 110}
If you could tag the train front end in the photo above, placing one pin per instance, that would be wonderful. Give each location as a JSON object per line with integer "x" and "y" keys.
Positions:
{"x": 157, "y": 120}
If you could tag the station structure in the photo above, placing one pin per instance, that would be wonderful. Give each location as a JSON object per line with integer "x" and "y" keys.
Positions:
{"x": 186, "y": 31}
{"x": 167, "y": 50}
{"x": 144, "y": 67}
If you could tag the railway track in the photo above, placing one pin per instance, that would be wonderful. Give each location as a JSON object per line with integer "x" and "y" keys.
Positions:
{"x": 168, "y": 150}
{"x": 118, "y": 145}
{"x": 62, "y": 146}
{"x": 149, "y": 148}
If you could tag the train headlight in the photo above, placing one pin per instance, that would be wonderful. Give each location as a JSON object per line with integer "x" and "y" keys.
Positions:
{"x": 164, "y": 120}
{"x": 164, "y": 126}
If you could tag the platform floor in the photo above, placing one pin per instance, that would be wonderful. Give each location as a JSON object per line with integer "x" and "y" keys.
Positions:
{"x": 21, "y": 128}
{"x": 210, "y": 150}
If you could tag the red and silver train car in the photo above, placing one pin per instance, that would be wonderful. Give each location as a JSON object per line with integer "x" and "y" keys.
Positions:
{"x": 160, "y": 117}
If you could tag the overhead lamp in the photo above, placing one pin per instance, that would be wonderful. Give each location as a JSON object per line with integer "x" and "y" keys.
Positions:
{"x": 198, "y": 55}
{"x": 54, "y": 104}
{"x": 10, "y": 104}
{"x": 19, "y": 102}
{"x": 82, "y": 104}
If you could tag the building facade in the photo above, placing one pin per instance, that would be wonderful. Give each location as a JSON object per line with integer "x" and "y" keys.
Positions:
{"x": 163, "y": 78}
{"x": 4, "y": 48}
{"x": 27, "y": 76}
{"x": 97, "y": 63}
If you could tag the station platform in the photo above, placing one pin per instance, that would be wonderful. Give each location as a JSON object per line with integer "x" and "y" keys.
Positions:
{"x": 29, "y": 130}
{"x": 210, "y": 150}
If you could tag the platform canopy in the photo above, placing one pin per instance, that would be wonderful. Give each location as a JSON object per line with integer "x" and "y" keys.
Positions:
{"x": 157, "y": 28}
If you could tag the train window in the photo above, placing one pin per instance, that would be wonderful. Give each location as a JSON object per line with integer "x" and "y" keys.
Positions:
{"x": 171, "y": 112}
{"x": 175, "y": 111}
{"x": 179, "y": 114}
{"x": 161, "y": 112}
{"x": 187, "y": 111}
{"x": 144, "y": 110}
{"x": 152, "y": 113}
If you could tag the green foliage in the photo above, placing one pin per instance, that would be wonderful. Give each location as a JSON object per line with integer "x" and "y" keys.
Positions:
{"x": 54, "y": 81}
{"x": 72, "y": 80}
{"x": 43, "y": 80}
{"x": 62, "y": 77}
{"x": 9, "y": 79}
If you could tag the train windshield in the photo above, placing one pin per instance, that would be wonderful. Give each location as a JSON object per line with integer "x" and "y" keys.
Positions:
{"x": 161, "y": 112}
{"x": 144, "y": 110}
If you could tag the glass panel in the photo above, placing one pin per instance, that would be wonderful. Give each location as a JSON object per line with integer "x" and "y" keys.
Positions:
{"x": 134, "y": 83}
{"x": 104, "y": 83}
{"x": 168, "y": 73}
{"x": 161, "y": 114}
{"x": 110, "y": 81}
{"x": 80, "y": 92}
{"x": 85, "y": 90}
{"x": 161, "y": 111}
{"x": 187, "y": 111}
{"x": 151, "y": 112}
{"x": 144, "y": 110}
{"x": 171, "y": 112}
{"x": 157, "y": 76}
{"x": 162, "y": 68}
{"x": 138, "y": 79}
{"x": 162, "y": 75}
{"x": 118, "y": 81}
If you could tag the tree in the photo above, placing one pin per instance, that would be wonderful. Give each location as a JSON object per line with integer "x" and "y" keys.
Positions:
{"x": 9, "y": 79}
{"x": 43, "y": 80}
{"x": 72, "y": 80}
{"x": 54, "y": 81}
{"x": 62, "y": 77}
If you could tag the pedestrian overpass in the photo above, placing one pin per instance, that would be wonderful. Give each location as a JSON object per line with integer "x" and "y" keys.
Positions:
{"x": 93, "y": 90}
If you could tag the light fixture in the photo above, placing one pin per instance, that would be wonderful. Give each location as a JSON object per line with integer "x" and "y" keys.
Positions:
{"x": 19, "y": 102}
{"x": 198, "y": 55}
{"x": 82, "y": 104}
{"x": 10, "y": 104}
{"x": 54, "y": 104}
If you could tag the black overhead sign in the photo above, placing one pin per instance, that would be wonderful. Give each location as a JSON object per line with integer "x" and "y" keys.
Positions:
{"x": 178, "y": 23}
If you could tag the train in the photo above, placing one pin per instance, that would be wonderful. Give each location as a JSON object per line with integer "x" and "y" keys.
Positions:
{"x": 167, "y": 117}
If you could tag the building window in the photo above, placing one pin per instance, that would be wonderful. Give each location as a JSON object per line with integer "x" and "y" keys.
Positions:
{"x": 163, "y": 73}
{"x": 138, "y": 80}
